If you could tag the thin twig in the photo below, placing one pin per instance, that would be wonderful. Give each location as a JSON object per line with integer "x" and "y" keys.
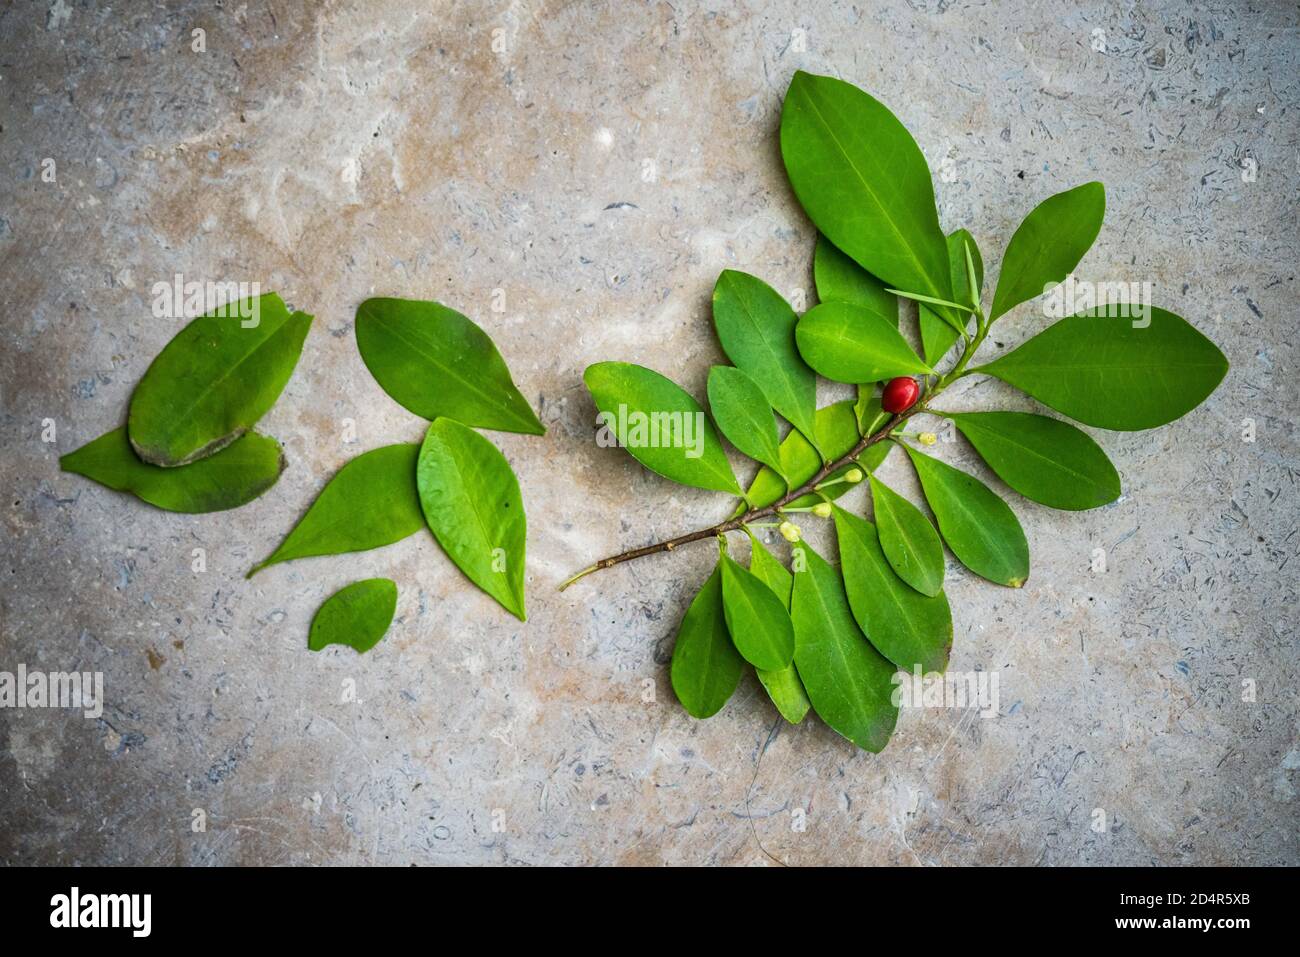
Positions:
{"x": 753, "y": 514}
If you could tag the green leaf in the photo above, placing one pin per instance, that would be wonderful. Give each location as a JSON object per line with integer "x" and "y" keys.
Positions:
{"x": 840, "y": 279}
{"x": 706, "y": 666}
{"x": 757, "y": 620}
{"x": 769, "y": 570}
{"x": 908, "y": 628}
{"x": 1046, "y": 460}
{"x": 871, "y": 416}
{"x": 1048, "y": 245}
{"x": 848, "y": 343}
{"x": 756, "y": 328}
{"x": 357, "y": 615}
{"x": 787, "y": 692}
{"x": 471, "y": 501}
{"x": 837, "y": 433}
{"x": 783, "y": 685}
{"x": 436, "y": 362}
{"x": 214, "y": 380}
{"x": 908, "y": 540}
{"x": 370, "y": 502}
{"x": 741, "y": 411}
{"x": 938, "y": 333}
{"x": 960, "y": 309}
{"x": 864, "y": 182}
{"x": 660, "y": 424}
{"x": 232, "y": 477}
{"x": 1108, "y": 373}
{"x": 849, "y": 683}
{"x": 979, "y": 527}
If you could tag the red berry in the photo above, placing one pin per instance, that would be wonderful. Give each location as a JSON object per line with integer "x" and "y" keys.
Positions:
{"x": 900, "y": 395}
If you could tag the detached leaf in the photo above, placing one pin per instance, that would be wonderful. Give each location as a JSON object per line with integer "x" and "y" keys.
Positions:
{"x": 905, "y": 626}
{"x": 840, "y": 279}
{"x": 864, "y": 183}
{"x": 436, "y": 362}
{"x": 848, "y": 343}
{"x": 937, "y": 333}
{"x": 1046, "y": 460}
{"x": 370, "y": 502}
{"x": 1048, "y": 245}
{"x": 1108, "y": 373}
{"x": 849, "y": 683}
{"x": 706, "y": 666}
{"x": 356, "y": 616}
{"x": 756, "y": 328}
{"x": 471, "y": 501}
{"x": 214, "y": 380}
{"x": 908, "y": 539}
{"x": 783, "y": 685}
{"x": 979, "y": 527}
{"x": 661, "y": 425}
{"x": 741, "y": 411}
{"x": 232, "y": 477}
{"x": 757, "y": 620}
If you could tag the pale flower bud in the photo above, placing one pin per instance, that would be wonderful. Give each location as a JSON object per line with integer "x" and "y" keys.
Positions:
{"x": 853, "y": 475}
{"x": 822, "y": 509}
{"x": 928, "y": 438}
{"x": 790, "y": 531}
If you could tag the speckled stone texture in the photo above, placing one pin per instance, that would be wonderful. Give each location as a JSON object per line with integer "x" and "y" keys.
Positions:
{"x": 599, "y": 164}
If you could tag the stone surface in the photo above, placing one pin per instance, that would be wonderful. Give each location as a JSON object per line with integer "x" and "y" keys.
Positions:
{"x": 599, "y": 165}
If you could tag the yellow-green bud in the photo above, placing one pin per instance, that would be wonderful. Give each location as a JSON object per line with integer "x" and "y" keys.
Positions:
{"x": 822, "y": 509}
{"x": 928, "y": 438}
{"x": 790, "y": 531}
{"x": 853, "y": 475}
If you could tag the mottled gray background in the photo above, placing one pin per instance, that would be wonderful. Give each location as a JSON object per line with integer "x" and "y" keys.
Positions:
{"x": 336, "y": 150}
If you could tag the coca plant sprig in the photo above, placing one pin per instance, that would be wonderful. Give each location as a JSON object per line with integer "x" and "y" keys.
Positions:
{"x": 832, "y": 638}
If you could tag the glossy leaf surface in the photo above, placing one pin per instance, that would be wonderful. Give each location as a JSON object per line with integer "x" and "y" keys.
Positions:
{"x": 864, "y": 182}
{"x": 1048, "y": 245}
{"x": 214, "y": 380}
{"x": 706, "y": 666}
{"x": 661, "y": 425}
{"x": 907, "y": 539}
{"x": 783, "y": 686}
{"x": 232, "y": 477}
{"x": 848, "y": 343}
{"x": 938, "y": 334}
{"x": 471, "y": 501}
{"x": 758, "y": 621}
{"x": 839, "y": 279}
{"x": 370, "y": 502}
{"x": 848, "y": 681}
{"x": 742, "y": 413}
{"x": 978, "y": 526}
{"x": 756, "y": 328}
{"x": 1113, "y": 374}
{"x": 905, "y": 626}
{"x": 357, "y": 616}
{"x": 436, "y": 362}
{"x": 1044, "y": 459}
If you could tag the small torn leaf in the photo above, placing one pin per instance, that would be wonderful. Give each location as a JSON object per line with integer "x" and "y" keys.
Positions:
{"x": 357, "y": 616}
